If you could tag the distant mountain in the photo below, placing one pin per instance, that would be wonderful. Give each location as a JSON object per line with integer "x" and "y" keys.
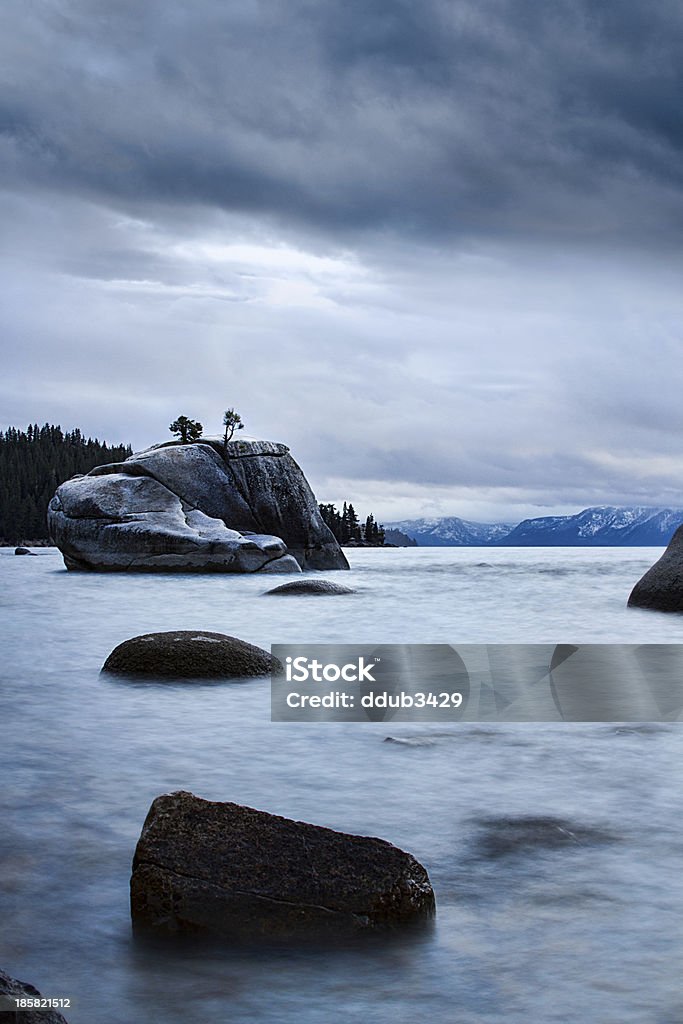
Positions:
{"x": 601, "y": 525}
{"x": 451, "y": 532}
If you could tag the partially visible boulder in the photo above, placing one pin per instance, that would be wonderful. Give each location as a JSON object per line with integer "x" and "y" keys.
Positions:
{"x": 661, "y": 588}
{"x": 23, "y": 551}
{"x": 194, "y": 507}
{"x": 311, "y": 587}
{"x": 11, "y": 989}
{"x": 188, "y": 654}
{"x": 247, "y": 875}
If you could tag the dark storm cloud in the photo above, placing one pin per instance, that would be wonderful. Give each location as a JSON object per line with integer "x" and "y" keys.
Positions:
{"x": 479, "y": 118}
{"x": 430, "y": 245}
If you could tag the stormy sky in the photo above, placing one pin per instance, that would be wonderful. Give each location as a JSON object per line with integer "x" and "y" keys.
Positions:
{"x": 434, "y": 247}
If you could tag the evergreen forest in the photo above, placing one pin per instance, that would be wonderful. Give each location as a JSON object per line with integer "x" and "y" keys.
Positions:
{"x": 347, "y": 527}
{"x": 33, "y": 463}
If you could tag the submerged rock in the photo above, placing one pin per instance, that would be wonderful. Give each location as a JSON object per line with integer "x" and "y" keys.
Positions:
{"x": 247, "y": 875}
{"x": 500, "y": 837}
{"x": 311, "y": 587}
{"x": 10, "y": 989}
{"x": 204, "y": 507}
{"x": 188, "y": 654}
{"x": 661, "y": 588}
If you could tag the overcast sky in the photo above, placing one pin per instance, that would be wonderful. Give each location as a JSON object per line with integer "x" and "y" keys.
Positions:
{"x": 435, "y": 246}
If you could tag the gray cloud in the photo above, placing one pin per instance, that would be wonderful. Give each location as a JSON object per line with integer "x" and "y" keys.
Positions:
{"x": 433, "y": 246}
{"x": 439, "y": 119}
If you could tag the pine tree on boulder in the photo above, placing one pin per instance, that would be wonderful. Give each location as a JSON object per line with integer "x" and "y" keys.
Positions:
{"x": 232, "y": 421}
{"x": 187, "y": 430}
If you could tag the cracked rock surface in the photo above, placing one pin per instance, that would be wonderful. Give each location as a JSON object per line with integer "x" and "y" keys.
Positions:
{"x": 198, "y": 507}
{"x": 243, "y": 874}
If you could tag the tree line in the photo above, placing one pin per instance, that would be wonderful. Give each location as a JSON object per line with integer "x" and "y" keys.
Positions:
{"x": 33, "y": 463}
{"x": 347, "y": 527}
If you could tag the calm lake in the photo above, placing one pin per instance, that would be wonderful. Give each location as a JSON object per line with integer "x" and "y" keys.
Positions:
{"x": 536, "y": 921}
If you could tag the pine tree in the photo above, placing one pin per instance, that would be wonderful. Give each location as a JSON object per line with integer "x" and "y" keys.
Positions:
{"x": 232, "y": 421}
{"x": 346, "y": 526}
{"x": 188, "y": 430}
{"x": 352, "y": 523}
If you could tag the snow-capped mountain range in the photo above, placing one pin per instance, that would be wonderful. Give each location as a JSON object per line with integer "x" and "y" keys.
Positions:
{"x": 452, "y": 532}
{"x": 600, "y": 525}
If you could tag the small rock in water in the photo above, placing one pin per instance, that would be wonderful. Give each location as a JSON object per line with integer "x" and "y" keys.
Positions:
{"x": 23, "y": 551}
{"x": 246, "y": 875}
{"x": 412, "y": 741}
{"x": 311, "y": 587}
{"x": 11, "y": 989}
{"x": 188, "y": 654}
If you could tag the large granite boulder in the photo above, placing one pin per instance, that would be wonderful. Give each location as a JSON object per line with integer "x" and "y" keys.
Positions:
{"x": 188, "y": 654}
{"x": 11, "y": 989}
{"x": 243, "y": 874}
{"x": 661, "y": 588}
{"x": 244, "y": 507}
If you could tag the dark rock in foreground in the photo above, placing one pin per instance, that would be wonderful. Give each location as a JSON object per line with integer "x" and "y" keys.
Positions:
{"x": 661, "y": 588}
{"x": 204, "y": 507}
{"x": 311, "y": 587}
{"x": 246, "y": 875}
{"x": 188, "y": 654}
{"x": 23, "y": 551}
{"x": 11, "y": 988}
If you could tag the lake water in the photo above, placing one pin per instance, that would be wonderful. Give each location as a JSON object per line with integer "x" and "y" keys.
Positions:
{"x": 529, "y": 927}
